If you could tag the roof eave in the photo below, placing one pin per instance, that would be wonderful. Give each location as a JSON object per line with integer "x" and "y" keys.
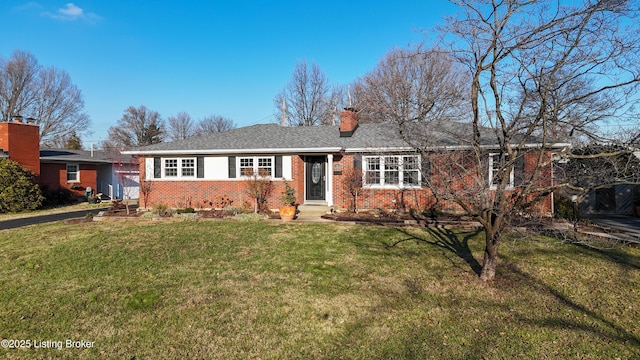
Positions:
{"x": 322, "y": 150}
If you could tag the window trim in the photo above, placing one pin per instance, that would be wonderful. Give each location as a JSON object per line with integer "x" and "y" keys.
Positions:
{"x": 179, "y": 168}
{"x": 381, "y": 171}
{"x": 255, "y": 163}
{"x": 77, "y": 172}
{"x": 492, "y": 186}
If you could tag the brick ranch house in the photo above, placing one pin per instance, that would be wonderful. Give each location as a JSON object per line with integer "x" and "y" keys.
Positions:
{"x": 317, "y": 161}
{"x": 75, "y": 170}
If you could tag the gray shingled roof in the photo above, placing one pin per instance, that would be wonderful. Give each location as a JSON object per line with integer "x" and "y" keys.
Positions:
{"x": 274, "y": 136}
{"x": 265, "y": 137}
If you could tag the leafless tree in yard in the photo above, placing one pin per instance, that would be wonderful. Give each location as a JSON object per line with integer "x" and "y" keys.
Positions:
{"x": 412, "y": 85}
{"x": 180, "y": 126}
{"x": 540, "y": 72}
{"x": 45, "y": 94}
{"x": 137, "y": 127}
{"x": 213, "y": 124}
{"x": 307, "y": 99}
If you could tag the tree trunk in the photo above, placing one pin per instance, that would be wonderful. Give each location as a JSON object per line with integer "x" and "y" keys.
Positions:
{"x": 490, "y": 255}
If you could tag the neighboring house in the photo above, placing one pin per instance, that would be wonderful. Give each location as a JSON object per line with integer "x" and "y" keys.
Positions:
{"x": 75, "y": 170}
{"x": 80, "y": 169}
{"x": 202, "y": 172}
{"x": 614, "y": 200}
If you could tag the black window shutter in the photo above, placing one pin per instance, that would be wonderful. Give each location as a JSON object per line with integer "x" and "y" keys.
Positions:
{"x": 157, "y": 168}
{"x": 425, "y": 167}
{"x": 200, "y": 164}
{"x": 357, "y": 162}
{"x": 232, "y": 167}
{"x": 518, "y": 170}
{"x": 278, "y": 166}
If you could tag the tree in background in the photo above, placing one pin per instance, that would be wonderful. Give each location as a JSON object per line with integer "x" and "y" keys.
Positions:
{"x": 538, "y": 70}
{"x": 73, "y": 142}
{"x": 412, "y": 85}
{"x": 18, "y": 191}
{"x": 137, "y": 127}
{"x": 180, "y": 126}
{"x": 45, "y": 94}
{"x": 307, "y": 99}
{"x": 213, "y": 124}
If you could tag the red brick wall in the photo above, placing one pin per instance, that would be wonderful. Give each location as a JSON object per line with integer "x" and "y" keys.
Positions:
{"x": 211, "y": 193}
{"x": 54, "y": 176}
{"x": 208, "y": 193}
{"x": 22, "y": 141}
{"x": 404, "y": 199}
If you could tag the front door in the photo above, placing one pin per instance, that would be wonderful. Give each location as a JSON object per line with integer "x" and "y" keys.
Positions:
{"x": 315, "y": 178}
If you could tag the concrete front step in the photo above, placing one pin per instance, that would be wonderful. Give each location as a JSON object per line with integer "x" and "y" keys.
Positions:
{"x": 312, "y": 212}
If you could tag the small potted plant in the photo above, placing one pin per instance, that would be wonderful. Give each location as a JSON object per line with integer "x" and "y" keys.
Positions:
{"x": 288, "y": 208}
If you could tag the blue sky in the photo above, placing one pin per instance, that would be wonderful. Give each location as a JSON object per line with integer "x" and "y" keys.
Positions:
{"x": 206, "y": 57}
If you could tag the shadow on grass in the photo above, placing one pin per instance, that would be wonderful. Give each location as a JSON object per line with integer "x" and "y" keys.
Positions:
{"x": 616, "y": 332}
{"x": 448, "y": 240}
{"x": 622, "y": 259}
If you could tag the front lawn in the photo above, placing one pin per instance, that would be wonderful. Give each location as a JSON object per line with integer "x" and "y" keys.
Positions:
{"x": 218, "y": 289}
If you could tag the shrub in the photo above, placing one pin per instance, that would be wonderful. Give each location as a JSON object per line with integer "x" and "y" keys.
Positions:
{"x": 234, "y": 210}
{"x": 59, "y": 196}
{"x": 188, "y": 210}
{"x": 253, "y": 217}
{"x": 259, "y": 188}
{"x": 288, "y": 195}
{"x": 564, "y": 208}
{"x": 162, "y": 210}
{"x": 18, "y": 191}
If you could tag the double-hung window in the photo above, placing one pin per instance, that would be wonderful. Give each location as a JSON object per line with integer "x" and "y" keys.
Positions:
{"x": 498, "y": 164}
{"x": 263, "y": 166}
{"x": 392, "y": 171}
{"x": 179, "y": 167}
{"x": 73, "y": 173}
{"x": 188, "y": 167}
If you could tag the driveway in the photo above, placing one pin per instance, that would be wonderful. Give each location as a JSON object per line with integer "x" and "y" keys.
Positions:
{"x": 15, "y": 223}
{"x": 629, "y": 225}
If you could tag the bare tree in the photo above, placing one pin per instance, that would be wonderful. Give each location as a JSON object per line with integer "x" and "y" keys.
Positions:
{"x": 307, "y": 99}
{"x": 411, "y": 85}
{"x": 214, "y": 124}
{"x": 45, "y": 94}
{"x": 137, "y": 127}
{"x": 180, "y": 126}
{"x": 539, "y": 70}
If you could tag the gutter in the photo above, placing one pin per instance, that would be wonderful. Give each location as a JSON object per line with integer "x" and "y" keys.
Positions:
{"x": 236, "y": 151}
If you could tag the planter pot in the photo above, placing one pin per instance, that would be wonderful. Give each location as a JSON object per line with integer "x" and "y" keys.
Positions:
{"x": 287, "y": 213}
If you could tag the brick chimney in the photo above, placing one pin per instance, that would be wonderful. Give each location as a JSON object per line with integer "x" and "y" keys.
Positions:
{"x": 22, "y": 144}
{"x": 348, "y": 122}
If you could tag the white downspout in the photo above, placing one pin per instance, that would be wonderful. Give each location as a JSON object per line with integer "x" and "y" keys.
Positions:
{"x": 330, "y": 180}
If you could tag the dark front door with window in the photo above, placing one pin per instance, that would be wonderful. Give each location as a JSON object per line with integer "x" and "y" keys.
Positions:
{"x": 315, "y": 178}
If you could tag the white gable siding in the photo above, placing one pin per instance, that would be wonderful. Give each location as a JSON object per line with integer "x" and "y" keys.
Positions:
{"x": 216, "y": 168}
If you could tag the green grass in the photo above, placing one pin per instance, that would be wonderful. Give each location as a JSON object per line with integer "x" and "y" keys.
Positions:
{"x": 214, "y": 289}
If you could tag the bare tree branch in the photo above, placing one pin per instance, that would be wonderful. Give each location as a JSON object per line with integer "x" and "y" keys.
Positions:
{"x": 46, "y": 94}
{"x": 308, "y": 98}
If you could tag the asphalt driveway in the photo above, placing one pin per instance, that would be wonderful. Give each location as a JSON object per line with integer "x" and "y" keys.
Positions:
{"x": 15, "y": 223}
{"x": 629, "y": 225}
